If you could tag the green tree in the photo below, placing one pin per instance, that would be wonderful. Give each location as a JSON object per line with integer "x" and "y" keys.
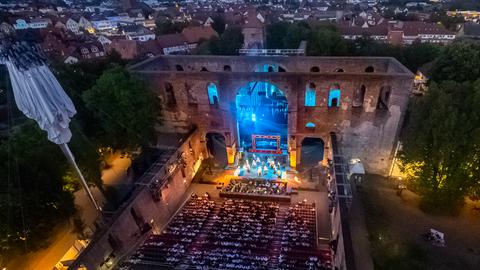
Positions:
{"x": 458, "y": 62}
{"x": 441, "y": 141}
{"x": 276, "y": 32}
{"x": 227, "y": 44}
{"x": 230, "y": 41}
{"x": 125, "y": 109}
{"x": 325, "y": 41}
{"x": 218, "y": 24}
{"x": 296, "y": 33}
{"x": 418, "y": 54}
{"x": 35, "y": 196}
{"x": 164, "y": 27}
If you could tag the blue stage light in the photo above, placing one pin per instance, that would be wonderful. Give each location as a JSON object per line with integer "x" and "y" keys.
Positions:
{"x": 254, "y": 117}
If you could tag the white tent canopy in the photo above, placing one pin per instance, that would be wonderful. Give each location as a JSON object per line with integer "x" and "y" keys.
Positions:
{"x": 40, "y": 97}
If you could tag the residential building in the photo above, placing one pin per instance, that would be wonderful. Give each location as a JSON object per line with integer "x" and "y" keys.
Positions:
{"x": 194, "y": 34}
{"x": 470, "y": 30}
{"x": 37, "y": 23}
{"x": 128, "y": 49}
{"x": 137, "y": 32}
{"x": 253, "y": 31}
{"x": 396, "y": 32}
{"x": 173, "y": 44}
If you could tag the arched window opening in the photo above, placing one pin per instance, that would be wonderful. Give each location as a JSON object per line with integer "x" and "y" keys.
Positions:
{"x": 178, "y": 67}
{"x": 191, "y": 98}
{"x": 383, "y": 98}
{"x": 310, "y": 94}
{"x": 216, "y": 147}
{"x": 114, "y": 242}
{"x": 359, "y": 97}
{"x": 269, "y": 68}
{"x": 314, "y": 69}
{"x": 339, "y": 70}
{"x": 212, "y": 94}
{"x": 227, "y": 68}
{"x": 310, "y": 125}
{"x": 311, "y": 152}
{"x": 334, "y": 96}
{"x": 170, "y": 95}
{"x": 136, "y": 217}
{"x": 369, "y": 69}
{"x": 204, "y": 69}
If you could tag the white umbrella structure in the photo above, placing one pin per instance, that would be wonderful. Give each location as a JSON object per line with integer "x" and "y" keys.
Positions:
{"x": 40, "y": 97}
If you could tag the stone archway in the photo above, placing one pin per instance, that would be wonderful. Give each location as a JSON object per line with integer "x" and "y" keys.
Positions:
{"x": 261, "y": 109}
{"x": 217, "y": 148}
{"x": 312, "y": 151}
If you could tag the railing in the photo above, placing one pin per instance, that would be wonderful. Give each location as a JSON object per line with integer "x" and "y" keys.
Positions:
{"x": 272, "y": 52}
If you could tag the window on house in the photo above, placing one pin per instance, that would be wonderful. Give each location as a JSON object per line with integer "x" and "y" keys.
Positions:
{"x": 339, "y": 70}
{"x": 178, "y": 67}
{"x": 227, "y": 68}
{"x": 369, "y": 69}
{"x": 314, "y": 69}
{"x": 310, "y": 125}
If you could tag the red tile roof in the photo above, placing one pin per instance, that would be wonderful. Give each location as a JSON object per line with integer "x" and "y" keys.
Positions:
{"x": 171, "y": 40}
{"x": 194, "y": 33}
{"x": 126, "y": 48}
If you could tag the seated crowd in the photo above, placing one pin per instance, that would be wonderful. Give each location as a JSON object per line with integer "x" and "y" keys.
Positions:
{"x": 256, "y": 186}
{"x": 299, "y": 240}
{"x": 239, "y": 237}
{"x": 234, "y": 234}
{"x": 171, "y": 246}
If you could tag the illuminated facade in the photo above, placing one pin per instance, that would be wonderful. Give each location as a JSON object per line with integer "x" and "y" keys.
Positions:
{"x": 271, "y": 106}
{"x": 361, "y": 99}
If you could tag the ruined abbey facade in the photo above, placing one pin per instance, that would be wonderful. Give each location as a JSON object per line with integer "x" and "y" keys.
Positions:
{"x": 362, "y": 99}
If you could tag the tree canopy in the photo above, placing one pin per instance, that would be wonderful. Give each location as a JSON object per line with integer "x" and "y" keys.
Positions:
{"x": 325, "y": 40}
{"x": 35, "y": 195}
{"x": 441, "y": 152}
{"x": 218, "y": 24}
{"x": 164, "y": 27}
{"x": 125, "y": 109}
{"x": 459, "y": 62}
{"x": 227, "y": 44}
{"x": 442, "y": 142}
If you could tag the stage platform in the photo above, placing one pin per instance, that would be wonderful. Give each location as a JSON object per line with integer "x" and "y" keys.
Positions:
{"x": 256, "y": 197}
{"x": 257, "y": 189}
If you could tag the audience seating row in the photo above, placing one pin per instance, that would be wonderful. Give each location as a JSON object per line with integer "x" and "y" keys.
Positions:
{"x": 235, "y": 234}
